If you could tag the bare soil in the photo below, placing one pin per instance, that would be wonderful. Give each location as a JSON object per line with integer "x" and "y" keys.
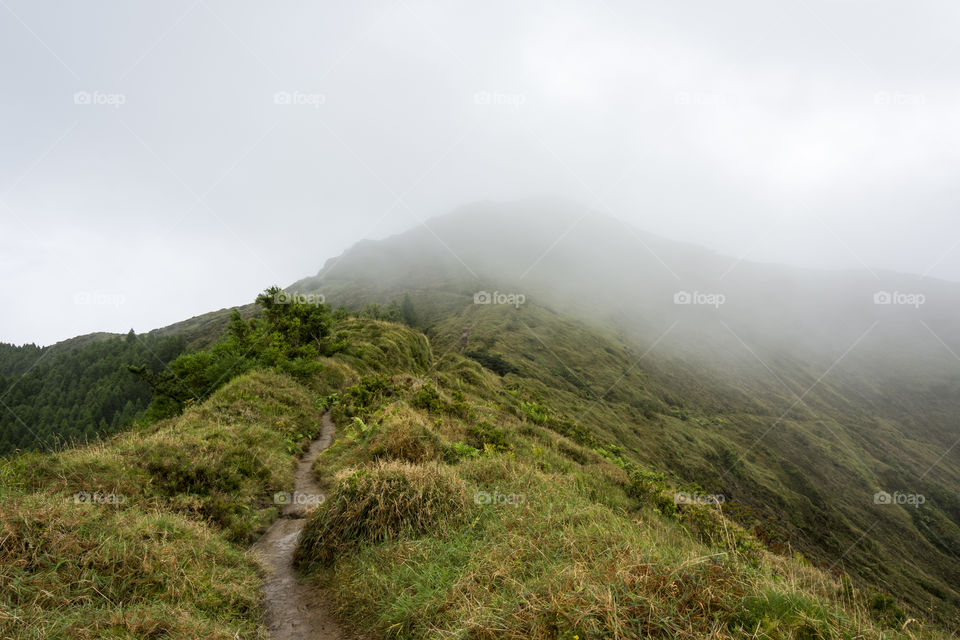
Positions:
{"x": 295, "y": 610}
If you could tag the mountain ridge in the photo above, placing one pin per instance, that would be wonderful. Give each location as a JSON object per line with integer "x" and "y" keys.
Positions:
{"x": 726, "y": 398}
{"x": 812, "y": 364}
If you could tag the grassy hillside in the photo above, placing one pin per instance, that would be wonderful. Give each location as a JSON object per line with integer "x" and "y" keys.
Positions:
{"x": 143, "y": 534}
{"x": 81, "y": 389}
{"x": 799, "y": 450}
{"x": 461, "y": 503}
{"x": 457, "y": 509}
{"x": 808, "y": 485}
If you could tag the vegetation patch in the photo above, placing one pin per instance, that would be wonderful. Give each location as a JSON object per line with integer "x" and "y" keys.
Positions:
{"x": 459, "y": 505}
{"x": 493, "y": 361}
{"x": 93, "y": 570}
{"x": 416, "y": 444}
{"x": 381, "y": 502}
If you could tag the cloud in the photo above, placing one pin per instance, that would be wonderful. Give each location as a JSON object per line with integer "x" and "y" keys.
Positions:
{"x": 702, "y": 122}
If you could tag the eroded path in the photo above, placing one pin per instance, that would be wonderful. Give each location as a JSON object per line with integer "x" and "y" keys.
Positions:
{"x": 295, "y": 611}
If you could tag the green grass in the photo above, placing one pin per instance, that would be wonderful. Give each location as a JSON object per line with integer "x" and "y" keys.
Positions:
{"x": 161, "y": 553}
{"x": 807, "y": 486}
{"x": 561, "y": 559}
{"x": 462, "y": 503}
{"x": 160, "y": 549}
{"x": 92, "y": 571}
{"x": 560, "y": 537}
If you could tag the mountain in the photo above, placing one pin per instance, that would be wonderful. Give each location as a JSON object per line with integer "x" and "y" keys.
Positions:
{"x": 578, "y": 430}
{"x": 459, "y": 499}
{"x": 802, "y": 395}
{"x": 81, "y": 389}
{"x": 602, "y": 267}
{"x": 76, "y": 390}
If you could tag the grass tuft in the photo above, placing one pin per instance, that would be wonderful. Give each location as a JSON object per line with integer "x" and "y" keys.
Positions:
{"x": 381, "y": 502}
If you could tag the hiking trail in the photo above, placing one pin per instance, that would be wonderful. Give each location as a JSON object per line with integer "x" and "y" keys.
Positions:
{"x": 294, "y": 610}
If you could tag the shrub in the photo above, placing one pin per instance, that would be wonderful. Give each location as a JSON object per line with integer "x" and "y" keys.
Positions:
{"x": 534, "y": 412}
{"x": 379, "y": 502}
{"x": 885, "y": 610}
{"x": 361, "y": 398}
{"x": 410, "y": 443}
{"x": 427, "y": 398}
{"x": 645, "y": 486}
{"x": 460, "y": 407}
{"x": 482, "y": 434}
{"x": 492, "y": 361}
{"x": 463, "y": 451}
{"x": 290, "y": 336}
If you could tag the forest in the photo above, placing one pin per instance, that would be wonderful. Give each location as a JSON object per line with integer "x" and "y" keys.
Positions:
{"x": 77, "y": 390}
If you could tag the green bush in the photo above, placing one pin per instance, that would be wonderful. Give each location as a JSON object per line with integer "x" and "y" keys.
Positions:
{"x": 482, "y": 434}
{"x": 360, "y": 399}
{"x": 380, "y": 502}
{"x": 415, "y": 444}
{"x": 535, "y": 413}
{"x": 428, "y": 398}
{"x": 492, "y": 361}
{"x": 885, "y": 610}
{"x": 645, "y": 485}
{"x": 460, "y": 407}
{"x": 289, "y": 336}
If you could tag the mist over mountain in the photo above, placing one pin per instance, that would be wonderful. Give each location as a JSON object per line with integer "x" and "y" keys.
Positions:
{"x": 562, "y": 253}
{"x": 817, "y": 409}
{"x": 415, "y": 320}
{"x": 849, "y": 376}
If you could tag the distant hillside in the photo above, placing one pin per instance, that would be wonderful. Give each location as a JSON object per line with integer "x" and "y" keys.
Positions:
{"x": 606, "y": 270}
{"x": 203, "y": 330}
{"x": 76, "y": 390}
{"x": 823, "y": 407}
{"x": 798, "y": 396}
{"x": 458, "y": 502}
{"x": 81, "y": 389}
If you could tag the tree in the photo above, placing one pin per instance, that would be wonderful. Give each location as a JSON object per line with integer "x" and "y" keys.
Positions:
{"x": 407, "y": 311}
{"x": 291, "y": 333}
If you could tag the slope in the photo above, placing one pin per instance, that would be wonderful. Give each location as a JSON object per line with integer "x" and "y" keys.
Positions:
{"x": 803, "y": 402}
{"x": 448, "y": 480}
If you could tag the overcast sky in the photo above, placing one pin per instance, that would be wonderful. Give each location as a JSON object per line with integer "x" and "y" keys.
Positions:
{"x": 159, "y": 160}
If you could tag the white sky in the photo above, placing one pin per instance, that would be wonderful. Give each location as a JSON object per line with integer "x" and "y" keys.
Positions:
{"x": 806, "y": 132}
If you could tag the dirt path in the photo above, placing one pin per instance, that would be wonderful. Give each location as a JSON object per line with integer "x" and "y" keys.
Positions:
{"x": 295, "y": 611}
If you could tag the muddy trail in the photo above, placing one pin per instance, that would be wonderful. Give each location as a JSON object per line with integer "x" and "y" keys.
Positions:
{"x": 295, "y": 611}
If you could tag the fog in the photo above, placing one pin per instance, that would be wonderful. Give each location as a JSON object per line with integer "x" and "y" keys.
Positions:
{"x": 679, "y": 297}
{"x": 160, "y": 161}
